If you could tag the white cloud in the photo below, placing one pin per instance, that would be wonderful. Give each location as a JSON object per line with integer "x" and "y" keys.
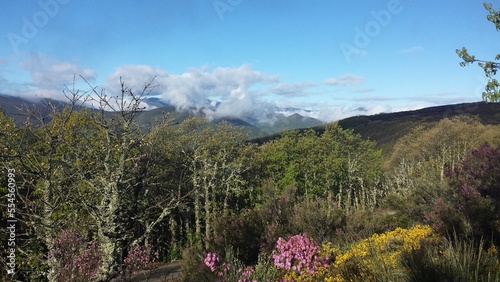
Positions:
{"x": 345, "y": 80}
{"x": 411, "y": 50}
{"x": 135, "y": 78}
{"x": 364, "y": 90}
{"x": 237, "y": 87}
{"x": 48, "y": 76}
{"x": 291, "y": 89}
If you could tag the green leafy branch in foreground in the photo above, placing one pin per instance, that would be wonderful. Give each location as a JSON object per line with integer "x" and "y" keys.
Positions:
{"x": 492, "y": 88}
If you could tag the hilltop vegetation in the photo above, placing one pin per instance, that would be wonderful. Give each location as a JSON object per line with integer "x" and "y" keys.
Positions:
{"x": 99, "y": 197}
{"x": 386, "y": 128}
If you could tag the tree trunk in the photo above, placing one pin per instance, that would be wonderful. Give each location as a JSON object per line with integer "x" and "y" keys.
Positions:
{"x": 197, "y": 212}
{"x": 208, "y": 202}
{"x": 108, "y": 233}
{"x": 48, "y": 234}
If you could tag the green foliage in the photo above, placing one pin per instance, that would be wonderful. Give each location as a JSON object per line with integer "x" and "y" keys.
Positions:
{"x": 492, "y": 88}
{"x": 254, "y": 231}
{"x": 9, "y": 135}
{"x": 265, "y": 269}
{"x": 476, "y": 182}
{"x": 493, "y": 16}
{"x": 31, "y": 264}
{"x": 419, "y": 160}
{"x": 416, "y": 171}
{"x": 193, "y": 269}
{"x": 387, "y": 128}
{"x": 243, "y": 231}
{"x": 231, "y": 266}
{"x": 212, "y": 165}
{"x": 337, "y": 163}
{"x": 319, "y": 218}
{"x": 453, "y": 260}
{"x": 276, "y": 213}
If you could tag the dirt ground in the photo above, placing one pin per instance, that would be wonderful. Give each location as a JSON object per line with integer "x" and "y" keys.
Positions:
{"x": 170, "y": 272}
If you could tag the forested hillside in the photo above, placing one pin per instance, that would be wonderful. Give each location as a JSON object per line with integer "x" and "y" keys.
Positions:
{"x": 386, "y": 128}
{"x": 96, "y": 197}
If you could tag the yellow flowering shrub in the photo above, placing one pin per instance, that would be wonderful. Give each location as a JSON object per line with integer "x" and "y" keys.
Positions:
{"x": 379, "y": 254}
{"x": 322, "y": 274}
{"x": 367, "y": 259}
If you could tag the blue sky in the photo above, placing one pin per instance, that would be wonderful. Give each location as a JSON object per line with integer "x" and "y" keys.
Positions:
{"x": 336, "y": 58}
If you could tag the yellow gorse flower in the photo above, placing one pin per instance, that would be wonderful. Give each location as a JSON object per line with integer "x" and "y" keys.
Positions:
{"x": 386, "y": 246}
{"x": 380, "y": 252}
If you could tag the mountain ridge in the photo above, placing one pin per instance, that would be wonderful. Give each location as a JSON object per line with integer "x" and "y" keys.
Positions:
{"x": 386, "y": 128}
{"x": 14, "y": 107}
{"x": 383, "y": 128}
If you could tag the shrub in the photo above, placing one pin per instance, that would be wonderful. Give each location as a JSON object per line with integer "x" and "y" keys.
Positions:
{"x": 265, "y": 270}
{"x": 445, "y": 219}
{"x": 453, "y": 260}
{"x": 276, "y": 213}
{"x": 477, "y": 181}
{"x": 192, "y": 265}
{"x": 320, "y": 218}
{"x": 138, "y": 257}
{"x": 379, "y": 256}
{"x": 78, "y": 261}
{"x": 242, "y": 231}
{"x": 300, "y": 254}
{"x": 230, "y": 269}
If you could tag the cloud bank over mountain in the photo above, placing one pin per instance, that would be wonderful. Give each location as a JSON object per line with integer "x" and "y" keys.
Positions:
{"x": 240, "y": 91}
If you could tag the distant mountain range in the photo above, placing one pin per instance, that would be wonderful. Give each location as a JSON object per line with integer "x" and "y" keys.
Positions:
{"x": 282, "y": 119}
{"x": 384, "y": 128}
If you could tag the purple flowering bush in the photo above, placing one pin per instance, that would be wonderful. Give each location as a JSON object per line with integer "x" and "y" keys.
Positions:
{"x": 298, "y": 253}
{"x": 246, "y": 274}
{"x": 230, "y": 269}
{"x": 477, "y": 182}
{"x": 139, "y": 257}
{"x": 222, "y": 269}
{"x": 77, "y": 260}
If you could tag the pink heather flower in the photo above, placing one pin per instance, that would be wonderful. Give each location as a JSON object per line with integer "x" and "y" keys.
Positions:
{"x": 298, "y": 253}
{"x": 77, "y": 259}
{"x": 211, "y": 259}
{"x": 138, "y": 258}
